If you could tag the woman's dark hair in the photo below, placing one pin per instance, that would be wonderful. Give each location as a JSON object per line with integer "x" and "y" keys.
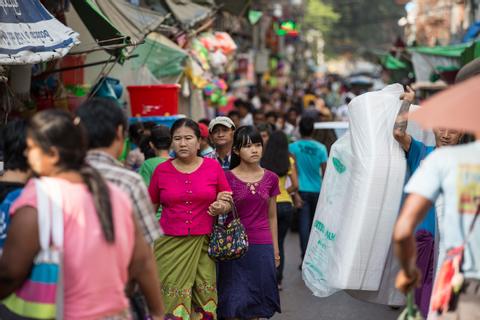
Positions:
{"x": 57, "y": 129}
{"x": 185, "y": 122}
{"x": 276, "y": 157}
{"x": 243, "y": 136}
{"x": 13, "y": 144}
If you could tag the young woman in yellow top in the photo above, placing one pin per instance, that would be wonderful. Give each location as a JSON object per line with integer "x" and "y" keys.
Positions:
{"x": 277, "y": 158}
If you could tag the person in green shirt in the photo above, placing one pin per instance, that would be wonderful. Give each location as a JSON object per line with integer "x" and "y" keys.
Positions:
{"x": 159, "y": 141}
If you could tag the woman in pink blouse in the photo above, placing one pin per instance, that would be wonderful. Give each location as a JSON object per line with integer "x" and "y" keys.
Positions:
{"x": 191, "y": 190}
{"x": 102, "y": 246}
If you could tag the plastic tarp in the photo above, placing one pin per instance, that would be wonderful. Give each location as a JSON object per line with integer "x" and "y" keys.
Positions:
{"x": 161, "y": 56}
{"x": 425, "y": 65}
{"x": 29, "y": 34}
{"x": 133, "y": 21}
{"x": 188, "y": 13}
{"x": 360, "y": 199}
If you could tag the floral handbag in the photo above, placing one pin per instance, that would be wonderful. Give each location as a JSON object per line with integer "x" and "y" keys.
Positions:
{"x": 228, "y": 242}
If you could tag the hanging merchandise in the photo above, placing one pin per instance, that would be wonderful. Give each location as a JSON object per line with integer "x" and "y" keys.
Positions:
{"x": 195, "y": 73}
{"x": 225, "y": 43}
{"x": 254, "y": 16}
{"x": 217, "y": 92}
{"x": 218, "y": 41}
{"x": 108, "y": 88}
{"x": 218, "y": 61}
{"x": 200, "y": 53}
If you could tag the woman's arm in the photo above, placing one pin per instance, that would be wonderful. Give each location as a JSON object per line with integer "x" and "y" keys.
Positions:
{"x": 21, "y": 247}
{"x": 143, "y": 270}
{"x": 294, "y": 179}
{"x": 272, "y": 218}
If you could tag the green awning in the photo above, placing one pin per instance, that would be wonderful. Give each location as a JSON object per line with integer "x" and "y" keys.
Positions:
{"x": 99, "y": 26}
{"x": 471, "y": 53}
{"x": 452, "y": 51}
{"x": 392, "y": 63}
{"x": 161, "y": 56}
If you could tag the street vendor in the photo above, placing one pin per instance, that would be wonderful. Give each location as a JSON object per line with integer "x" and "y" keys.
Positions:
{"x": 416, "y": 151}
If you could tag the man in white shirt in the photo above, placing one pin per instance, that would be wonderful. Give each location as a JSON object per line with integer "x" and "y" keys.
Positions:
{"x": 453, "y": 172}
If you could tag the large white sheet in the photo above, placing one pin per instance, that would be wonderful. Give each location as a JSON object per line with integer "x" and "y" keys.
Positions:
{"x": 358, "y": 206}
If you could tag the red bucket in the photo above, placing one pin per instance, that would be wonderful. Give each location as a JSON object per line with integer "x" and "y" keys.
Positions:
{"x": 153, "y": 100}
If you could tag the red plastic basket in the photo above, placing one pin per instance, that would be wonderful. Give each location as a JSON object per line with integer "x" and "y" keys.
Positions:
{"x": 153, "y": 100}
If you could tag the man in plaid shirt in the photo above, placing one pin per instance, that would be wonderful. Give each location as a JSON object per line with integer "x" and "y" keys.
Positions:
{"x": 106, "y": 126}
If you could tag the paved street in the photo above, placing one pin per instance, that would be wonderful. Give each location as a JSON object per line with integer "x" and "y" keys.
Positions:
{"x": 298, "y": 302}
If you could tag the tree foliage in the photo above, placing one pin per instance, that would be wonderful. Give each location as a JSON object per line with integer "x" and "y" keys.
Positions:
{"x": 355, "y": 26}
{"x": 320, "y": 16}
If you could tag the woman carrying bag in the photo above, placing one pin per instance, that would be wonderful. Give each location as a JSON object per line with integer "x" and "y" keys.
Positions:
{"x": 191, "y": 190}
{"x": 98, "y": 247}
{"x": 247, "y": 287}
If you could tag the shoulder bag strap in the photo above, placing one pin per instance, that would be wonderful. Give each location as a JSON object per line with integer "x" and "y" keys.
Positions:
{"x": 43, "y": 215}
{"x": 234, "y": 210}
{"x": 50, "y": 208}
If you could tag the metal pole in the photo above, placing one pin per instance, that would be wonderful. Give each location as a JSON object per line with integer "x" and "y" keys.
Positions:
{"x": 112, "y": 59}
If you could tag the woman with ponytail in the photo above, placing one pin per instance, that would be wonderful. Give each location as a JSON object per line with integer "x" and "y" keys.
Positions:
{"x": 102, "y": 247}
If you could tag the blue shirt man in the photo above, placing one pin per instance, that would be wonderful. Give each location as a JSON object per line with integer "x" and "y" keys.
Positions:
{"x": 415, "y": 155}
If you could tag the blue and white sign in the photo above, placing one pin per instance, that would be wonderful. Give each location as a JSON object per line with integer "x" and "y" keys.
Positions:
{"x": 30, "y": 34}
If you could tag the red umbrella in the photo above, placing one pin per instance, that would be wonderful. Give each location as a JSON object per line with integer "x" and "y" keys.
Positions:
{"x": 457, "y": 107}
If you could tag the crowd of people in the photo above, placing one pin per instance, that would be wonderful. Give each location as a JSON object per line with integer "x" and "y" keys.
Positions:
{"x": 137, "y": 223}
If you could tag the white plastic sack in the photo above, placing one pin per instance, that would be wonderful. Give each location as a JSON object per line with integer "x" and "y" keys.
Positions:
{"x": 387, "y": 294}
{"x": 359, "y": 201}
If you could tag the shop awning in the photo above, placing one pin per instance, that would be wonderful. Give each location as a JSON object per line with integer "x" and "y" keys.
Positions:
{"x": 186, "y": 12}
{"x": 117, "y": 23}
{"x": 134, "y": 21}
{"x": 100, "y": 27}
{"x": 392, "y": 63}
{"x": 452, "y": 51}
{"x": 29, "y": 34}
{"x": 161, "y": 56}
{"x": 432, "y": 60}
